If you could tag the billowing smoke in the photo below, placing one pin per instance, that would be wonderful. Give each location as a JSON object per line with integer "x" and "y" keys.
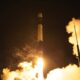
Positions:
{"x": 25, "y": 71}
{"x": 28, "y": 53}
{"x": 30, "y": 68}
{"x": 73, "y": 28}
{"x": 71, "y": 72}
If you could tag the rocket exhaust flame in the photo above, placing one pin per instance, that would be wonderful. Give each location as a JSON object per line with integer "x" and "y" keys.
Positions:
{"x": 26, "y": 71}
{"x": 40, "y": 68}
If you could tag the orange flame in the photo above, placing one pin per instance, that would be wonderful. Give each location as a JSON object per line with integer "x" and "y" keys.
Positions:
{"x": 27, "y": 72}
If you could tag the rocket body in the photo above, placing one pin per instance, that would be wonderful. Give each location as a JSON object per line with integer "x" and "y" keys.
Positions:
{"x": 40, "y": 33}
{"x": 40, "y": 28}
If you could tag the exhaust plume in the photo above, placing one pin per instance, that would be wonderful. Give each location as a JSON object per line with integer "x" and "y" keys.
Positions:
{"x": 71, "y": 72}
{"x": 25, "y": 71}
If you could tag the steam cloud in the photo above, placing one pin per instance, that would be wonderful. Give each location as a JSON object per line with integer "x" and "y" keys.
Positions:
{"x": 72, "y": 38}
{"x": 71, "y": 72}
{"x": 28, "y": 53}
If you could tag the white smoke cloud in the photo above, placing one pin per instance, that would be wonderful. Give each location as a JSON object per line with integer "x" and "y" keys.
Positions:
{"x": 71, "y": 29}
{"x": 71, "y": 72}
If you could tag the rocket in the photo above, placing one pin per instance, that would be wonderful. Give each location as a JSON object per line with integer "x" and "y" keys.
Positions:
{"x": 40, "y": 35}
{"x": 40, "y": 43}
{"x": 40, "y": 28}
